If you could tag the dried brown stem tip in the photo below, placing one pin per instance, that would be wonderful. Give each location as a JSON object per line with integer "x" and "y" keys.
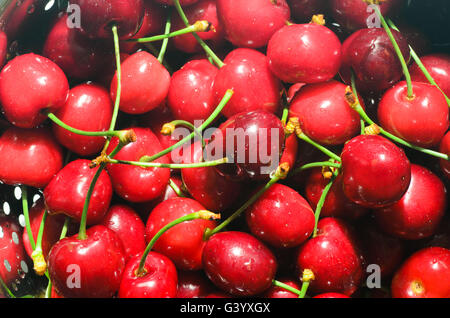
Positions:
{"x": 127, "y": 136}
{"x": 318, "y": 19}
{"x": 208, "y": 215}
{"x": 282, "y": 170}
{"x": 167, "y": 129}
{"x": 40, "y": 266}
{"x": 308, "y": 276}
{"x": 203, "y": 26}
{"x": 373, "y": 129}
{"x": 99, "y": 160}
{"x": 350, "y": 97}
{"x": 327, "y": 172}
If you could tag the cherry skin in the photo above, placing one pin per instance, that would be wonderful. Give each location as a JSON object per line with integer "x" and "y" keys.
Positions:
{"x": 307, "y": 53}
{"x": 303, "y": 10}
{"x": 88, "y": 107}
{"x": 98, "y": 17}
{"x": 45, "y": 84}
{"x": 3, "y": 48}
{"x": 238, "y": 263}
{"x": 324, "y": 114}
{"x": 252, "y": 23}
{"x": 279, "y": 292}
{"x": 425, "y": 274}
{"x": 145, "y": 83}
{"x": 438, "y": 65}
{"x": 422, "y": 120}
{"x": 182, "y": 2}
{"x": 331, "y": 295}
{"x": 183, "y": 243}
{"x": 375, "y": 172}
{"x": 66, "y": 192}
{"x": 138, "y": 184}
{"x": 444, "y": 147}
{"x": 190, "y": 95}
{"x": 333, "y": 257}
{"x": 247, "y": 73}
{"x": 290, "y": 151}
{"x": 29, "y": 156}
{"x": 281, "y": 217}
{"x": 419, "y": 212}
{"x": 193, "y": 284}
{"x": 127, "y": 224}
{"x": 99, "y": 261}
{"x": 159, "y": 280}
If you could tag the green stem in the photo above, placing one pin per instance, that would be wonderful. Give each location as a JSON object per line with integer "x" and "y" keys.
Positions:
{"x": 315, "y": 165}
{"x": 170, "y": 165}
{"x": 162, "y": 51}
{"x": 304, "y": 289}
{"x": 173, "y": 124}
{"x": 7, "y": 290}
{"x": 320, "y": 204}
{"x": 323, "y": 149}
{"x": 176, "y": 189}
{"x": 199, "y": 26}
{"x": 65, "y": 228}
{"x": 60, "y": 123}
{"x": 287, "y": 287}
{"x": 27, "y": 216}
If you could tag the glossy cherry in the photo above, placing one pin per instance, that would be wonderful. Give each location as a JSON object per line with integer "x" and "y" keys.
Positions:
{"x": 438, "y": 65}
{"x": 45, "y": 84}
{"x": 307, "y": 53}
{"x": 66, "y": 192}
{"x": 89, "y": 108}
{"x": 331, "y": 295}
{"x": 279, "y": 292}
{"x": 238, "y": 263}
{"x": 193, "y": 284}
{"x": 375, "y": 172}
{"x": 444, "y": 147}
{"x": 303, "y": 10}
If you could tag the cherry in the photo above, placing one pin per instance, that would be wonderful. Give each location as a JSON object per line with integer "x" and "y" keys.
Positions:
{"x": 425, "y": 274}
{"x": 66, "y": 192}
{"x": 422, "y": 120}
{"x": 127, "y": 224}
{"x": 138, "y": 184}
{"x": 307, "y": 53}
{"x": 444, "y": 147}
{"x": 145, "y": 83}
{"x": 45, "y": 84}
{"x": 371, "y": 55}
{"x": 438, "y": 65}
{"x": 182, "y": 2}
{"x": 3, "y": 48}
{"x": 293, "y": 90}
{"x": 252, "y": 23}
{"x": 279, "y": 292}
{"x": 281, "y": 217}
{"x": 29, "y": 156}
{"x": 290, "y": 151}
{"x": 238, "y": 263}
{"x": 91, "y": 267}
{"x": 88, "y": 107}
{"x": 193, "y": 284}
{"x": 98, "y": 17}
{"x": 303, "y": 10}
{"x": 331, "y": 295}
{"x": 333, "y": 257}
{"x": 247, "y": 73}
{"x": 190, "y": 95}
{"x": 419, "y": 212}
{"x": 375, "y": 172}
{"x": 324, "y": 114}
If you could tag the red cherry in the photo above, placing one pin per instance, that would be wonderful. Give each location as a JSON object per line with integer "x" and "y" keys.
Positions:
{"x": 67, "y": 191}
{"x": 193, "y": 284}
{"x": 190, "y": 94}
{"x": 247, "y": 73}
{"x": 324, "y": 114}
{"x": 238, "y": 263}
{"x": 444, "y": 147}
{"x": 138, "y": 184}
{"x": 183, "y": 243}
{"x": 281, "y": 217}
{"x": 438, "y": 65}
{"x": 3, "y": 48}
{"x": 40, "y": 157}
{"x": 279, "y": 292}
{"x": 290, "y": 152}
{"x": 422, "y": 120}
{"x": 331, "y": 295}
{"x": 419, "y": 212}
{"x": 375, "y": 172}
{"x": 88, "y": 107}
{"x": 307, "y": 53}
{"x": 127, "y": 224}
{"x": 43, "y": 81}
{"x": 251, "y": 23}
{"x": 333, "y": 257}
{"x": 145, "y": 83}
{"x": 303, "y": 10}
{"x": 182, "y": 2}
{"x": 425, "y": 274}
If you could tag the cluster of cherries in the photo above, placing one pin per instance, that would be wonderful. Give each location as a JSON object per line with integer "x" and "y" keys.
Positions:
{"x": 129, "y": 209}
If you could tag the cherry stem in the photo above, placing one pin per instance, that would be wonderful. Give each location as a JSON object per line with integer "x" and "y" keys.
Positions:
{"x": 176, "y": 189}
{"x": 315, "y": 165}
{"x": 397, "y": 51}
{"x": 165, "y": 42}
{"x": 7, "y": 290}
{"x": 286, "y": 287}
{"x": 40, "y": 265}
{"x": 26, "y": 214}
{"x": 169, "y": 128}
{"x": 320, "y": 204}
{"x": 198, "y": 26}
{"x": 169, "y": 165}
{"x": 205, "y": 124}
{"x": 323, "y": 149}
{"x": 65, "y": 228}
{"x": 203, "y": 214}
{"x": 202, "y": 43}
{"x": 155, "y": 52}
{"x": 307, "y": 277}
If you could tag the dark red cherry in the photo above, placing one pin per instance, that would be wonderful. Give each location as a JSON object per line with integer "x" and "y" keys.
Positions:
{"x": 238, "y": 263}
{"x": 421, "y": 120}
{"x": 425, "y": 274}
{"x": 290, "y": 151}
{"x": 145, "y": 83}
{"x": 45, "y": 84}
{"x": 88, "y": 107}
{"x": 253, "y": 22}
{"x": 3, "y": 48}
{"x": 182, "y": 2}
{"x": 333, "y": 257}
{"x": 324, "y": 114}
{"x": 98, "y": 17}
{"x": 331, "y": 295}
{"x": 66, "y": 192}
{"x": 159, "y": 280}
{"x": 89, "y": 268}
{"x": 183, "y": 243}
{"x": 375, "y": 172}
{"x": 371, "y": 55}
{"x": 281, "y": 217}
{"x": 419, "y": 212}
{"x": 293, "y": 90}
{"x": 438, "y": 65}
{"x": 138, "y": 184}
{"x": 127, "y": 224}
{"x": 193, "y": 284}
{"x": 444, "y": 147}
{"x": 307, "y": 53}
{"x": 279, "y": 292}
{"x": 303, "y": 10}
{"x": 29, "y": 156}
{"x": 190, "y": 96}
{"x": 247, "y": 73}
